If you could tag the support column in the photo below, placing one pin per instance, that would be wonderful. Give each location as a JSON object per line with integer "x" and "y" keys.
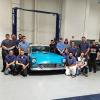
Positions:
{"x": 14, "y": 21}
{"x": 16, "y": 17}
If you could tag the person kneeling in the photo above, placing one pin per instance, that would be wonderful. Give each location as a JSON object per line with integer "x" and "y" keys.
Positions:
{"x": 10, "y": 63}
{"x": 22, "y": 63}
{"x": 72, "y": 65}
{"x": 82, "y": 65}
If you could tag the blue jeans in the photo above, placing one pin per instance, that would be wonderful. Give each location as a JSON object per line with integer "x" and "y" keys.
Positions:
{"x": 9, "y": 70}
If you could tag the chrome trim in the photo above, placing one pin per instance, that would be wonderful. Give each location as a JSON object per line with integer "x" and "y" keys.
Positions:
{"x": 46, "y": 69}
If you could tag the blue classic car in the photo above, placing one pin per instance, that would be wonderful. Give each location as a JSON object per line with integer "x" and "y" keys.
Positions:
{"x": 41, "y": 59}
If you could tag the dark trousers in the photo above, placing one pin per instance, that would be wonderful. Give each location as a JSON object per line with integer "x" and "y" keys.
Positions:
{"x": 16, "y": 51}
{"x": 12, "y": 67}
{"x": 26, "y": 54}
{"x": 4, "y": 54}
{"x": 92, "y": 65}
{"x": 4, "y": 64}
{"x": 11, "y": 71}
{"x": 21, "y": 71}
{"x": 84, "y": 70}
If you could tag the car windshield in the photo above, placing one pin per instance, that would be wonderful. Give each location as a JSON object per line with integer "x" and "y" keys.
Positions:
{"x": 40, "y": 48}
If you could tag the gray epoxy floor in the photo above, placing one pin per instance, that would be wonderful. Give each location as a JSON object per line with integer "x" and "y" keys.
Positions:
{"x": 47, "y": 87}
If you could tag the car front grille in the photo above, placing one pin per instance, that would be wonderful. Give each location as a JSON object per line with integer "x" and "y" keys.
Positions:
{"x": 48, "y": 67}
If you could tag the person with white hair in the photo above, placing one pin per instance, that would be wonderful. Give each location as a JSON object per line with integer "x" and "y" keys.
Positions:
{"x": 82, "y": 65}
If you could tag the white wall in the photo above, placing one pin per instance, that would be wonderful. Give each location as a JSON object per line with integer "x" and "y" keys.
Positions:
{"x": 5, "y": 18}
{"x": 93, "y": 23}
{"x": 81, "y": 17}
{"x": 39, "y": 28}
{"x": 78, "y": 16}
{"x": 27, "y": 21}
{"x": 73, "y": 18}
{"x": 45, "y": 24}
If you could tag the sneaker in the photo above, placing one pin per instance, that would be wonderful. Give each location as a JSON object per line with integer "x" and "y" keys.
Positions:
{"x": 7, "y": 71}
{"x": 73, "y": 76}
{"x": 2, "y": 70}
{"x": 86, "y": 75}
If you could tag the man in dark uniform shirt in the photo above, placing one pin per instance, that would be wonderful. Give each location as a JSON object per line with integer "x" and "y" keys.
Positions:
{"x": 14, "y": 43}
{"x": 6, "y": 46}
{"x": 84, "y": 46}
{"x": 22, "y": 63}
{"x": 10, "y": 60}
{"x": 73, "y": 48}
{"x": 92, "y": 57}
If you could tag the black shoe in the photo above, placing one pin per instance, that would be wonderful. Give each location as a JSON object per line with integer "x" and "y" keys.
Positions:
{"x": 24, "y": 75}
{"x": 73, "y": 76}
{"x": 2, "y": 70}
{"x": 86, "y": 75}
{"x": 90, "y": 71}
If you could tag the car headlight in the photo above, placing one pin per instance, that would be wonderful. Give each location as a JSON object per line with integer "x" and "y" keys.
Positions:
{"x": 33, "y": 60}
{"x": 64, "y": 60}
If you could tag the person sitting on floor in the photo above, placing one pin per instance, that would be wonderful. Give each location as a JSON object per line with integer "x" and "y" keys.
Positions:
{"x": 22, "y": 63}
{"x": 71, "y": 65}
{"x": 82, "y": 64}
{"x": 10, "y": 63}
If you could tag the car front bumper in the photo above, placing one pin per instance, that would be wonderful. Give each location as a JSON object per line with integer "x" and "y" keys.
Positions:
{"x": 46, "y": 69}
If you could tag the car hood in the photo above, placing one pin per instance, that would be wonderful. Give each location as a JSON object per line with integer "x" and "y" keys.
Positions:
{"x": 46, "y": 58}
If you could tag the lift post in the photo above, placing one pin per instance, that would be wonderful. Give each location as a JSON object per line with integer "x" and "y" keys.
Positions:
{"x": 14, "y": 20}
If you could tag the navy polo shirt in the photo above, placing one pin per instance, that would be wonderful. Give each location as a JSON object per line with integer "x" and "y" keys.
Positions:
{"x": 10, "y": 58}
{"x": 71, "y": 60}
{"x": 84, "y": 46}
{"x": 6, "y": 43}
{"x": 73, "y": 50}
{"x": 22, "y": 59}
{"x": 13, "y": 42}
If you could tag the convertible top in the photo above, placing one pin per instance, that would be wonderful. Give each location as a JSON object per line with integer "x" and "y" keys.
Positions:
{"x": 38, "y": 45}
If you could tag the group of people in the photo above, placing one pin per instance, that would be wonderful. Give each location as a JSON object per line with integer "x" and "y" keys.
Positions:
{"x": 80, "y": 59}
{"x": 15, "y": 55}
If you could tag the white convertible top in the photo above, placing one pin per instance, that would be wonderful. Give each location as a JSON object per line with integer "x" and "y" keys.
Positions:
{"x": 38, "y": 45}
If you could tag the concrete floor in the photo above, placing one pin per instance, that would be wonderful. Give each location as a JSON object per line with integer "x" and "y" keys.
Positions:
{"x": 47, "y": 87}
